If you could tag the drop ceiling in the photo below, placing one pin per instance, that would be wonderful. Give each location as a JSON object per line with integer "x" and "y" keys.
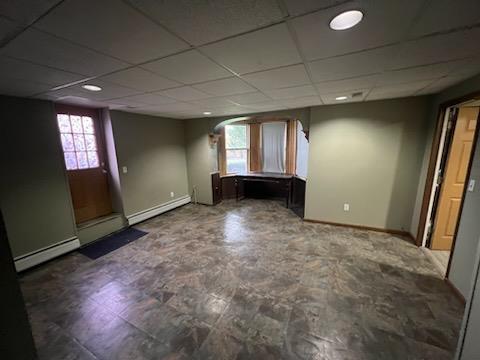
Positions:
{"x": 178, "y": 58}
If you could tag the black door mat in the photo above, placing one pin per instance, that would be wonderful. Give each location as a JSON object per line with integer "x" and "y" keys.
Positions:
{"x": 111, "y": 243}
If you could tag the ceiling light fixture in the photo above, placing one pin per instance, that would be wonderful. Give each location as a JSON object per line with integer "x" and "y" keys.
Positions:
{"x": 91, "y": 87}
{"x": 340, "y": 98}
{"x": 346, "y": 20}
{"x": 207, "y": 113}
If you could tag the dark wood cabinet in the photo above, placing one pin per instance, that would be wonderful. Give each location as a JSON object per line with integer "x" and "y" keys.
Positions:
{"x": 216, "y": 188}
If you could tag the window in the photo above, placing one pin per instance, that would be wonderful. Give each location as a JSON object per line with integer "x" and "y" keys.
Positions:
{"x": 236, "y": 147}
{"x": 79, "y": 144}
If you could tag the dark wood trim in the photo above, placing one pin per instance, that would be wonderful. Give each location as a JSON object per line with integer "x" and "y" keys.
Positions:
{"x": 454, "y": 289}
{"x": 465, "y": 187}
{"x": 430, "y": 176}
{"x": 402, "y": 233}
{"x": 471, "y": 96}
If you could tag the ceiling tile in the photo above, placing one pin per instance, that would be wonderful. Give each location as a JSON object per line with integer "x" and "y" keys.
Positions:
{"x": 398, "y": 90}
{"x": 331, "y": 98}
{"x": 214, "y": 102}
{"x": 171, "y": 108}
{"x": 75, "y": 100}
{"x": 302, "y": 102}
{"x": 189, "y": 68}
{"x": 438, "y": 48}
{"x": 385, "y": 22}
{"x": 298, "y": 7}
{"x": 250, "y": 98}
{"x": 148, "y": 99}
{"x": 200, "y": 22}
{"x": 25, "y": 71}
{"x": 354, "y": 65}
{"x": 361, "y": 82}
{"x": 442, "y": 84}
{"x": 137, "y": 78}
{"x": 266, "y": 106}
{"x": 44, "y": 49}
{"x": 467, "y": 67}
{"x": 255, "y": 51}
{"x": 225, "y": 87}
{"x": 113, "y": 28}
{"x": 109, "y": 91}
{"x": 279, "y": 78}
{"x": 8, "y": 30}
{"x": 426, "y": 72}
{"x": 442, "y": 15}
{"x": 25, "y": 11}
{"x": 185, "y": 93}
{"x": 292, "y": 92}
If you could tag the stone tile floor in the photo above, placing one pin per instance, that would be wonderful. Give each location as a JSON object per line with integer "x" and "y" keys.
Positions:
{"x": 244, "y": 280}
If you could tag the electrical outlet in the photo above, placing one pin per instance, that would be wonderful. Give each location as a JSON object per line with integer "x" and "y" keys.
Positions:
{"x": 172, "y": 194}
{"x": 346, "y": 207}
{"x": 124, "y": 169}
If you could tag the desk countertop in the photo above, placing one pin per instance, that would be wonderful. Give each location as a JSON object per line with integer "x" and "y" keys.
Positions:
{"x": 261, "y": 175}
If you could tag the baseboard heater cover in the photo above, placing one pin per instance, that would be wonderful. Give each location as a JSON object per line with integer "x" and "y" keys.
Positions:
{"x": 157, "y": 210}
{"x": 47, "y": 253}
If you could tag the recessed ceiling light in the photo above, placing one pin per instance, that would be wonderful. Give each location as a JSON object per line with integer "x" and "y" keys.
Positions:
{"x": 207, "y": 113}
{"x": 91, "y": 87}
{"x": 340, "y": 98}
{"x": 346, "y": 20}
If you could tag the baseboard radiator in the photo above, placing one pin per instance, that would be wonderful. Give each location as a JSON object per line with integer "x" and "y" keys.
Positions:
{"x": 39, "y": 256}
{"x": 157, "y": 210}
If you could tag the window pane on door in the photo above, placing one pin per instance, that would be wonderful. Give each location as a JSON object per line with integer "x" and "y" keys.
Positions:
{"x": 79, "y": 141}
{"x": 64, "y": 123}
{"x": 82, "y": 160}
{"x": 90, "y": 142}
{"x": 92, "y": 159}
{"x": 67, "y": 142}
{"x": 76, "y": 122}
{"x": 88, "y": 125}
{"x": 71, "y": 161}
{"x": 237, "y": 161}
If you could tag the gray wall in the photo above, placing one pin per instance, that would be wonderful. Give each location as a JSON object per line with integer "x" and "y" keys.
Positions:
{"x": 368, "y": 155}
{"x": 200, "y": 160}
{"x": 34, "y": 193}
{"x": 468, "y": 345}
{"x": 153, "y": 149}
{"x": 468, "y": 233}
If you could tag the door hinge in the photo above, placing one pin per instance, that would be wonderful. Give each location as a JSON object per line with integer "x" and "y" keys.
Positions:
{"x": 449, "y": 124}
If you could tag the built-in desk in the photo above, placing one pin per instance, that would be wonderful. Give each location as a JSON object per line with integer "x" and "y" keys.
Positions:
{"x": 257, "y": 185}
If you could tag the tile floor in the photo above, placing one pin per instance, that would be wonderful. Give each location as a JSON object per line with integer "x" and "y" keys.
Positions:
{"x": 246, "y": 280}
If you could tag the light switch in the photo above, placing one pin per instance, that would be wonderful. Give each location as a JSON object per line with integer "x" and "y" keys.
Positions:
{"x": 124, "y": 169}
{"x": 172, "y": 194}
{"x": 471, "y": 185}
{"x": 346, "y": 207}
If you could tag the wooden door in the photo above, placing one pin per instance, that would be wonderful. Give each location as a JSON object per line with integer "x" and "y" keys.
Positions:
{"x": 83, "y": 147}
{"x": 454, "y": 180}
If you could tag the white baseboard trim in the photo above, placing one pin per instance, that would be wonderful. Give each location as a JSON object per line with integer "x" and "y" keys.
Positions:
{"x": 41, "y": 255}
{"x": 157, "y": 210}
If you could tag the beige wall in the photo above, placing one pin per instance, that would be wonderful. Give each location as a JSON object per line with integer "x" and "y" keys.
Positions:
{"x": 368, "y": 155}
{"x": 153, "y": 150}
{"x": 34, "y": 194}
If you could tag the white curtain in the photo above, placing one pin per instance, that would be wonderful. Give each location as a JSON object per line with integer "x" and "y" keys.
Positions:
{"x": 273, "y": 146}
{"x": 302, "y": 152}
